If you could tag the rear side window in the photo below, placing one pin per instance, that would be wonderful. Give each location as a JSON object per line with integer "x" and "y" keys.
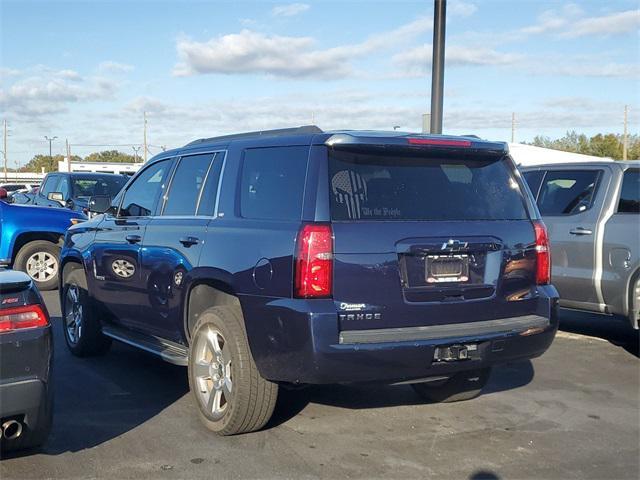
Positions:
{"x": 630, "y": 192}
{"x": 208, "y": 197}
{"x": 141, "y": 196}
{"x": 567, "y": 192}
{"x": 384, "y": 187}
{"x": 186, "y": 185}
{"x": 272, "y": 183}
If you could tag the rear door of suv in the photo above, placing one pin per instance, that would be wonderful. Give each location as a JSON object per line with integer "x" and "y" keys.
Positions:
{"x": 174, "y": 239}
{"x": 429, "y": 235}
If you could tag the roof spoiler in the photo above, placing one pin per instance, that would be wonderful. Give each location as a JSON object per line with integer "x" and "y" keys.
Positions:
{"x": 443, "y": 143}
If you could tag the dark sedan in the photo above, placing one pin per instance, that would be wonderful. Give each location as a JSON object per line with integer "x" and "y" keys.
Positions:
{"x": 26, "y": 352}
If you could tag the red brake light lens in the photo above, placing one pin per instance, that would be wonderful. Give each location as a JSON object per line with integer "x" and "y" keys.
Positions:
{"x": 314, "y": 262}
{"x": 440, "y": 142}
{"x": 543, "y": 254}
{"x": 20, "y": 318}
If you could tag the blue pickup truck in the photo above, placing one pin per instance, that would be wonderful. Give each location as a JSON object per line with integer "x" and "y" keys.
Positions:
{"x": 30, "y": 239}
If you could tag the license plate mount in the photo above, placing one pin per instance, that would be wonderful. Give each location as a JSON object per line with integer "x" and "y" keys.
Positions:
{"x": 451, "y": 268}
{"x": 456, "y": 353}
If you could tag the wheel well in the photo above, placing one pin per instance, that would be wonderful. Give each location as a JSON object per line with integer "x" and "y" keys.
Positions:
{"x": 27, "y": 237}
{"x": 633, "y": 315}
{"x": 204, "y": 296}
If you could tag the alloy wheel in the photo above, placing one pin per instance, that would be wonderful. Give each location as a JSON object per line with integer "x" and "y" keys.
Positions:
{"x": 42, "y": 266}
{"x": 212, "y": 372}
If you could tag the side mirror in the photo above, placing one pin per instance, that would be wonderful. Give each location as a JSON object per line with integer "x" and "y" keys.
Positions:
{"x": 56, "y": 197}
{"x": 99, "y": 203}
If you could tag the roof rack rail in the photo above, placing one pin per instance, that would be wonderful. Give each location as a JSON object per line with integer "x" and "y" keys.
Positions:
{"x": 305, "y": 129}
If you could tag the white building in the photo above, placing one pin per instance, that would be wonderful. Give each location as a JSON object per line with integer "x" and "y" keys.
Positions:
{"x": 526, "y": 155}
{"x": 99, "y": 167}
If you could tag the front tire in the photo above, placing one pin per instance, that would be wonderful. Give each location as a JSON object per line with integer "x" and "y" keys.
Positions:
{"x": 228, "y": 390}
{"x": 40, "y": 260}
{"x": 462, "y": 386}
{"x": 81, "y": 327}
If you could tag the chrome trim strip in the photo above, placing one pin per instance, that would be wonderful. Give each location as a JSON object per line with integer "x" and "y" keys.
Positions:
{"x": 224, "y": 164}
{"x": 449, "y": 331}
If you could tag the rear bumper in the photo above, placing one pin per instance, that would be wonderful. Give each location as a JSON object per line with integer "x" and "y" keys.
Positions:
{"x": 25, "y": 373}
{"x": 297, "y": 342}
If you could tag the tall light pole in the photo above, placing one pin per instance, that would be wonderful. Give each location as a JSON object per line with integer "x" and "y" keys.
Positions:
{"x": 4, "y": 151}
{"x": 437, "y": 64}
{"x": 50, "y": 140}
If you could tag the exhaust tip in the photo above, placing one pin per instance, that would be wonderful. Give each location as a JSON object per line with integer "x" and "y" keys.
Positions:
{"x": 11, "y": 429}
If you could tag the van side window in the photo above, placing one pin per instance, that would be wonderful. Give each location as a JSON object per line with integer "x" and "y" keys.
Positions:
{"x": 273, "y": 182}
{"x": 141, "y": 196}
{"x": 567, "y": 192}
{"x": 186, "y": 184}
{"x": 630, "y": 192}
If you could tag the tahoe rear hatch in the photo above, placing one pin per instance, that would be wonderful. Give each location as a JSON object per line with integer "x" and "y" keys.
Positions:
{"x": 429, "y": 235}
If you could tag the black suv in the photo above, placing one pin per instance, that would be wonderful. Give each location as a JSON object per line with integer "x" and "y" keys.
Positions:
{"x": 299, "y": 256}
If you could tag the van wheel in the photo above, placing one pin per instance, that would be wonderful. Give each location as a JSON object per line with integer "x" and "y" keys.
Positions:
{"x": 229, "y": 393}
{"x": 40, "y": 260}
{"x": 82, "y": 330}
{"x": 462, "y": 386}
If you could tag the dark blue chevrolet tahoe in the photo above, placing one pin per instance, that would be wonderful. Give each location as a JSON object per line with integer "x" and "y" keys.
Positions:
{"x": 298, "y": 256}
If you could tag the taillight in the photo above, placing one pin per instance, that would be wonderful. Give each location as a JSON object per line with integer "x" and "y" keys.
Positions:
{"x": 439, "y": 142}
{"x": 20, "y": 318}
{"x": 314, "y": 262}
{"x": 543, "y": 254}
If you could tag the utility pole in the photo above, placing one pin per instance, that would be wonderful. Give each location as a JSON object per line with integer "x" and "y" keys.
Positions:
{"x": 437, "y": 64}
{"x": 145, "y": 137}
{"x": 135, "y": 153}
{"x": 4, "y": 151}
{"x": 625, "y": 136}
{"x": 513, "y": 127}
{"x": 50, "y": 140}
{"x": 68, "y": 155}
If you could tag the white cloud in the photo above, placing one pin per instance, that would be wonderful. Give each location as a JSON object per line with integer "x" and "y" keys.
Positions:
{"x": 110, "y": 66}
{"x": 51, "y": 92}
{"x": 612, "y": 24}
{"x": 250, "y": 52}
{"x": 289, "y": 10}
{"x": 416, "y": 61}
{"x": 461, "y": 8}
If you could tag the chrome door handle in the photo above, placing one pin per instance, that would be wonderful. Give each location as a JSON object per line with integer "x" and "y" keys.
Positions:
{"x": 580, "y": 231}
{"x": 189, "y": 241}
{"x": 133, "y": 238}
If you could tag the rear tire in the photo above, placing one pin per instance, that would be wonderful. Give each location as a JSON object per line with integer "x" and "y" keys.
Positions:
{"x": 229, "y": 393}
{"x": 81, "y": 328}
{"x": 462, "y": 386}
{"x": 40, "y": 260}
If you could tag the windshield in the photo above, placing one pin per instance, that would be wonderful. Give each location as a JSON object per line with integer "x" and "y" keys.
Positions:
{"x": 390, "y": 187}
{"x": 89, "y": 187}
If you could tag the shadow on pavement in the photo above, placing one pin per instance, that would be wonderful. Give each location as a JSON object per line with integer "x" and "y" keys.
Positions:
{"x": 614, "y": 329}
{"x": 292, "y": 402}
{"x": 100, "y": 398}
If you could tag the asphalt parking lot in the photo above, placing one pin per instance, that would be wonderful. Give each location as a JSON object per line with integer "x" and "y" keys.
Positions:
{"x": 573, "y": 413}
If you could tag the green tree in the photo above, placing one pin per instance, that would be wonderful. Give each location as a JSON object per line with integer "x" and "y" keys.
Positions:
{"x": 600, "y": 145}
{"x": 110, "y": 156}
{"x": 50, "y": 164}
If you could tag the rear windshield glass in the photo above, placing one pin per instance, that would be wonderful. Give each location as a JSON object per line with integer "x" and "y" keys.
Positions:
{"x": 382, "y": 187}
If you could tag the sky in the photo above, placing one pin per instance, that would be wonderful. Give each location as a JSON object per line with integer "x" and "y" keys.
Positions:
{"x": 87, "y": 70}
